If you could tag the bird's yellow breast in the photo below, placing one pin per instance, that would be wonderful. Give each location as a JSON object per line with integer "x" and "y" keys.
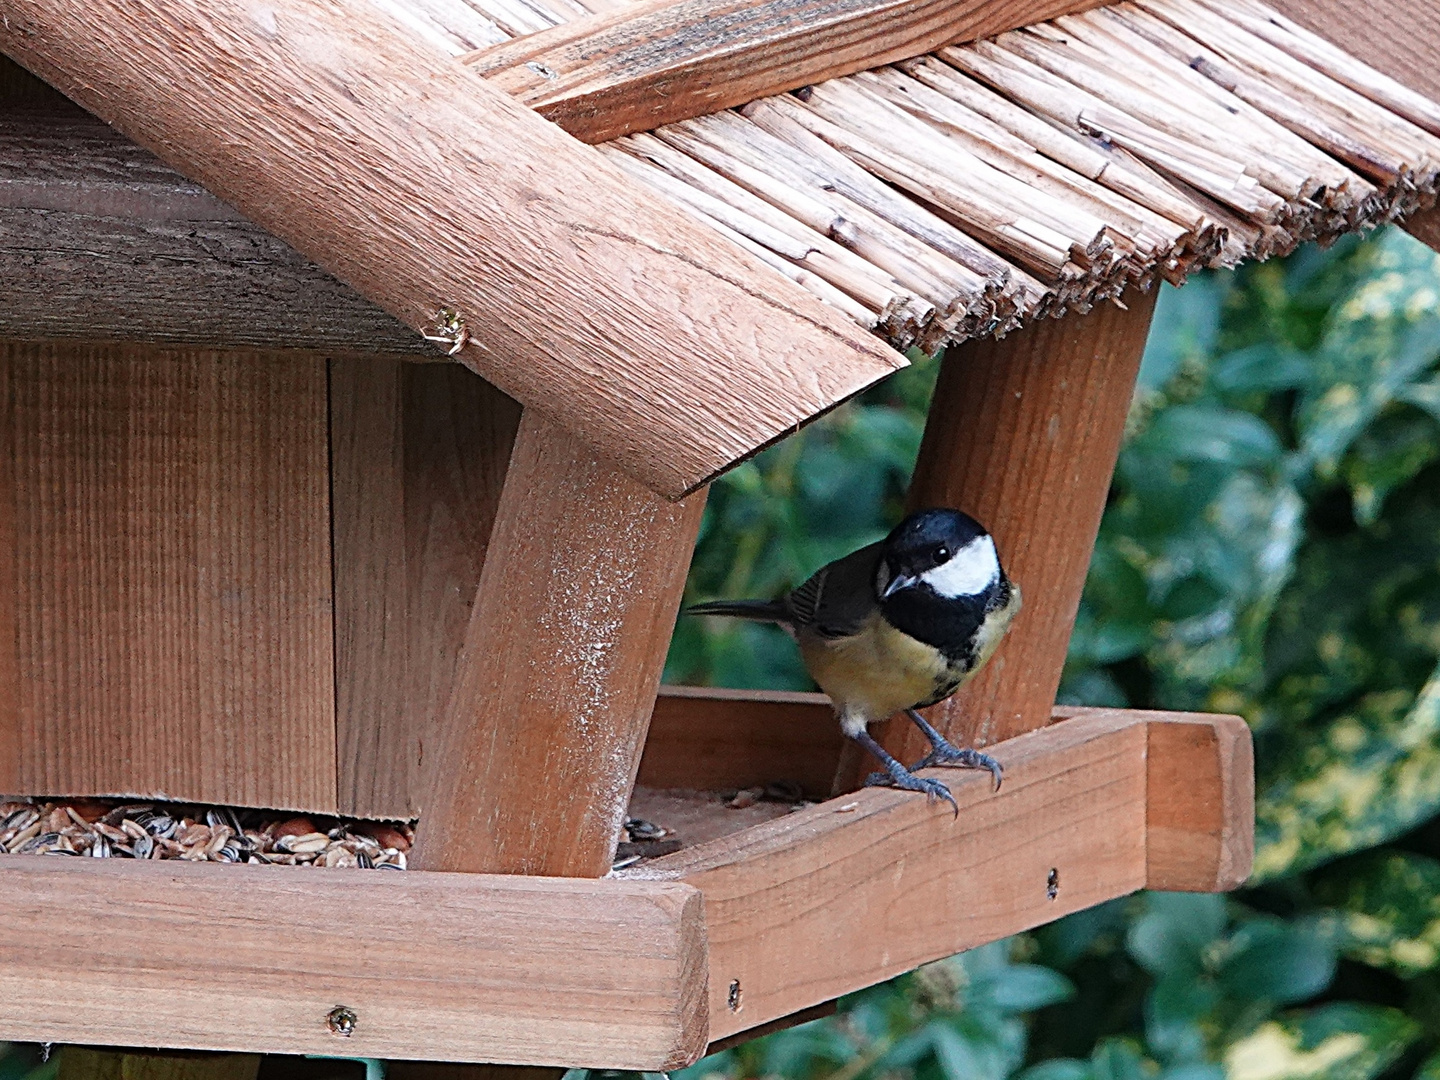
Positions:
{"x": 875, "y": 673}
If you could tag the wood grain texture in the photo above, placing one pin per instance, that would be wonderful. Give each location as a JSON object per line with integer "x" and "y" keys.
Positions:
{"x": 1023, "y": 433}
{"x": 710, "y": 739}
{"x": 657, "y": 61}
{"x": 542, "y": 735}
{"x": 168, "y": 605}
{"x": 1398, "y": 37}
{"x": 453, "y": 967}
{"x": 418, "y": 457}
{"x": 901, "y": 882}
{"x": 1200, "y": 826}
{"x": 83, "y": 1063}
{"x": 1425, "y": 227}
{"x": 657, "y": 342}
{"x": 101, "y": 241}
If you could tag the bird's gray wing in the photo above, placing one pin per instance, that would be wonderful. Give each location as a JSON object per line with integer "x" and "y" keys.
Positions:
{"x": 839, "y": 597}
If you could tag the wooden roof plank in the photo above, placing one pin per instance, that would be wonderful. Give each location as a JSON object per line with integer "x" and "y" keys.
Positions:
{"x": 667, "y": 349}
{"x": 657, "y": 61}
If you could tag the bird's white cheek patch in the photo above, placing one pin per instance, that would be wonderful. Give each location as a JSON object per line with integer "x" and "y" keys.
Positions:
{"x": 971, "y": 570}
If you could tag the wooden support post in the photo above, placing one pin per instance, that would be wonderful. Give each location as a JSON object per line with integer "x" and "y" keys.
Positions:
{"x": 533, "y": 766}
{"x": 541, "y": 739}
{"x": 1023, "y": 434}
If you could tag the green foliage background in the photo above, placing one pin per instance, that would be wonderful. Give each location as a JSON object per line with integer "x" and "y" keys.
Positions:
{"x": 1272, "y": 548}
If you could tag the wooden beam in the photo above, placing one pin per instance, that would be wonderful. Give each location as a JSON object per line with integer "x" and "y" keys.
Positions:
{"x": 1023, "y": 433}
{"x": 165, "y": 597}
{"x": 533, "y": 765}
{"x": 669, "y": 350}
{"x": 902, "y": 882}
{"x": 418, "y": 458}
{"x": 262, "y": 959}
{"x": 657, "y": 61}
{"x": 1200, "y": 816}
{"x": 100, "y": 241}
{"x": 84, "y": 1063}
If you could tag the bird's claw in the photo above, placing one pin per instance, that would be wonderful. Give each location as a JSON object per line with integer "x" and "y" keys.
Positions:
{"x": 946, "y": 756}
{"x": 907, "y": 781}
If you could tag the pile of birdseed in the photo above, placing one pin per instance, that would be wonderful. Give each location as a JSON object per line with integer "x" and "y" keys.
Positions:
{"x": 105, "y": 829}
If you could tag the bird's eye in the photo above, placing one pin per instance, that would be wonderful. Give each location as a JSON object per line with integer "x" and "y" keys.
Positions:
{"x": 941, "y": 553}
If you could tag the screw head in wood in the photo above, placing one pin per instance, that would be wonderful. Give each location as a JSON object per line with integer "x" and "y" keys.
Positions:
{"x": 342, "y": 1020}
{"x": 1052, "y": 883}
{"x": 733, "y": 997}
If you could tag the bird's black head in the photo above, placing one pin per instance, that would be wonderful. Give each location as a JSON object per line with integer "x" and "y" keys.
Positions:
{"x": 946, "y": 550}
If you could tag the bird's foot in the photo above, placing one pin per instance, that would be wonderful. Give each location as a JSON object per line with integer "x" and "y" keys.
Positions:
{"x": 953, "y": 757}
{"x": 905, "y": 780}
{"x": 943, "y": 753}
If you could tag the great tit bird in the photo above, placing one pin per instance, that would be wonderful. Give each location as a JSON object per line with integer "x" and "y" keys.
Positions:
{"x": 896, "y": 627}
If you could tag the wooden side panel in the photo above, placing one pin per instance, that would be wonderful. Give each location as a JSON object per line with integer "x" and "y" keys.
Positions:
{"x": 661, "y": 344}
{"x": 856, "y": 890}
{"x": 376, "y": 754}
{"x": 834, "y": 897}
{"x": 1200, "y": 826}
{"x": 419, "y": 455}
{"x": 651, "y": 63}
{"x": 1023, "y": 434}
{"x": 450, "y": 967}
{"x": 562, "y": 658}
{"x": 710, "y": 739}
{"x": 171, "y": 606}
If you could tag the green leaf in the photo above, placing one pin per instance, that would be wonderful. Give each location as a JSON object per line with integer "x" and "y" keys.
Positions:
{"x": 1264, "y": 367}
{"x": 1389, "y": 909}
{"x": 1026, "y": 987}
{"x": 1275, "y": 961}
{"x": 1377, "y": 776}
{"x": 1343, "y": 1041}
{"x": 1176, "y": 931}
{"x": 1209, "y": 433}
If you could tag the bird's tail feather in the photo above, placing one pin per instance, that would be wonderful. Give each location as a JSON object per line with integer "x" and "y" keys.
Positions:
{"x": 755, "y": 610}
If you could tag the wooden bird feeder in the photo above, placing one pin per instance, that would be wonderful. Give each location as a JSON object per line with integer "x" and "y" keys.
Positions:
{"x": 413, "y": 544}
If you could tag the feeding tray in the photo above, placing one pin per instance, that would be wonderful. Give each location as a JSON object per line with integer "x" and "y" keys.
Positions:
{"x": 645, "y": 968}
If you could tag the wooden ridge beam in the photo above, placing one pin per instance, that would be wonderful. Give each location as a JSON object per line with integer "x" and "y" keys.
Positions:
{"x": 257, "y": 959}
{"x": 658, "y": 61}
{"x": 663, "y": 346}
{"x": 100, "y": 241}
{"x": 1103, "y": 804}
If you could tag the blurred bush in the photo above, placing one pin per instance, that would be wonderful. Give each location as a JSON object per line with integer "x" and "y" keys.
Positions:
{"x": 1271, "y": 548}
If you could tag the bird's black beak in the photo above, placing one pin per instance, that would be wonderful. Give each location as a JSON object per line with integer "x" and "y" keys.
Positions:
{"x": 898, "y": 582}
